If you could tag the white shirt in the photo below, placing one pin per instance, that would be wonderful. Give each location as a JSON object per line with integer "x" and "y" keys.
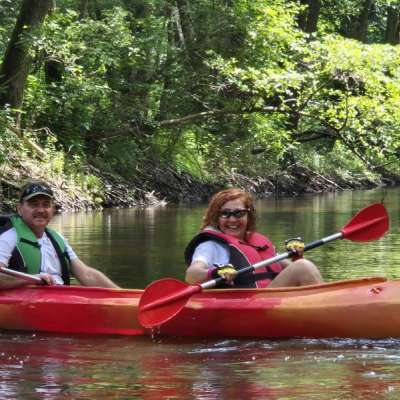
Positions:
{"x": 211, "y": 252}
{"x": 50, "y": 263}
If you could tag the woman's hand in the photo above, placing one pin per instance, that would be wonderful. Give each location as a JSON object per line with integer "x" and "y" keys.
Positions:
{"x": 227, "y": 272}
{"x": 296, "y": 246}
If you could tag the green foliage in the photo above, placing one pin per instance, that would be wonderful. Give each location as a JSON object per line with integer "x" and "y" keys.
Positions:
{"x": 8, "y": 12}
{"x": 9, "y": 143}
{"x": 210, "y": 87}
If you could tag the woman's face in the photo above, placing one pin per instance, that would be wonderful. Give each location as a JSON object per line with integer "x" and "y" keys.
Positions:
{"x": 233, "y": 218}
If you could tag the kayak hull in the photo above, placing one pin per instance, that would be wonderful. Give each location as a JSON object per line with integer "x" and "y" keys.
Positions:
{"x": 70, "y": 309}
{"x": 363, "y": 308}
{"x": 360, "y": 308}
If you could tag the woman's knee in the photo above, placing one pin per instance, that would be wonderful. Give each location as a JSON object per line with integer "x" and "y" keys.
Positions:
{"x": 304, "y": 265}
{"x": 307, "y": 271}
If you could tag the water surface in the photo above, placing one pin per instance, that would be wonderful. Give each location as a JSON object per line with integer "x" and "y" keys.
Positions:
{"x": 135, "y": 247}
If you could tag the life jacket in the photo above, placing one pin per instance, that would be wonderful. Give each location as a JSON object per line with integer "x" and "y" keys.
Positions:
{"x": 26, "y": 257}
{"x": 241, "y": 254}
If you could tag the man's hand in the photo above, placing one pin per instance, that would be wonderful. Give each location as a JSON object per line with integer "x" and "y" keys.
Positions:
{"x": 47, "y": 279}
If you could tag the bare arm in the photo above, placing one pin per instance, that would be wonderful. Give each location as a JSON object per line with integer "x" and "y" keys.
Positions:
{"x": 89, "y": 276}
{"x": 196, "y": 272}
{"x": 9, "y": 282}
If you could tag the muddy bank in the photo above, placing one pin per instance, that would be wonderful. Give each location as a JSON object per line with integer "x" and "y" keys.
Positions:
{"x": 163, "y": 185}
{"x": 296, "y": 181}
{"x": 157, "y": 185}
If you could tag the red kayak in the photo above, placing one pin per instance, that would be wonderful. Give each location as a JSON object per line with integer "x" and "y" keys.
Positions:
{"x": 355, "y": 308}
{"x": 359, "y": 308}
{"x": 70, "y": 309}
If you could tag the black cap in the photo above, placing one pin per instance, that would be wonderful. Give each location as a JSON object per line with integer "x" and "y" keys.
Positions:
{"x": 35, "y": 189}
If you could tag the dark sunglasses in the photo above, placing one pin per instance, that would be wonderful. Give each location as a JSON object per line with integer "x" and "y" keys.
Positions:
{"x": 239, "y": 213}
{"x": 36, "y": 189}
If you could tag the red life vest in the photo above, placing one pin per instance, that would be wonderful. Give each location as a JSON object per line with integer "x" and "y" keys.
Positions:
{"x": 256, "y": 248}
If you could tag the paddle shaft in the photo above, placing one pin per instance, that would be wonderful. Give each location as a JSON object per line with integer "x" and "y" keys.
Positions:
{"x": 277, "y": 258}
{"x": 21, "y": 275}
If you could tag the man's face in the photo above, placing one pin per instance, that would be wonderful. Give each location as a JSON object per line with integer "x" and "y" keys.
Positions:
{"x": 37, "y": 212}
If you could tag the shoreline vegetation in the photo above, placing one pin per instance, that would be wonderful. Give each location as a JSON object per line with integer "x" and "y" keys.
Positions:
{"x": 158, "y": 186}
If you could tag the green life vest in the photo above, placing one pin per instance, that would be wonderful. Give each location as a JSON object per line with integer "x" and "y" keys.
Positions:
{"x": 29, "y": 249}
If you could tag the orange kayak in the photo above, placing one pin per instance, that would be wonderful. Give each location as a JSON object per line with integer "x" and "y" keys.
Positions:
{"x": 368, "y": 308}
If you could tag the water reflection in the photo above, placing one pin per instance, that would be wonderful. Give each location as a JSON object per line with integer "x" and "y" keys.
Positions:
{"x": 56, "y": 367}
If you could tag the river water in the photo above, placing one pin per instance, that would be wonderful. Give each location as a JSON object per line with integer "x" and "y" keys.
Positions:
{"x": 136, "y": 247}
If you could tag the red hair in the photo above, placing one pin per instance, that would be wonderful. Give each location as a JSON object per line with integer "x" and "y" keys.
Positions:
{"x": 219, "y": 199}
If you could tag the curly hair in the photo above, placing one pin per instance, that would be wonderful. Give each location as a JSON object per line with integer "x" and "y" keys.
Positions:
{"x": 219, "y": 199}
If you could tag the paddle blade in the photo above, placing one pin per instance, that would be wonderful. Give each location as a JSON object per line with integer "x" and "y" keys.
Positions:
{"x": 370, "y": 223}
{"x": 162, "y": 300}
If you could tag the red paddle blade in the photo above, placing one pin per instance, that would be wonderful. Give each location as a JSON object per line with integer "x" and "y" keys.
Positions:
{"x": 370, "y": 223}
{"x": 162, "y": 300}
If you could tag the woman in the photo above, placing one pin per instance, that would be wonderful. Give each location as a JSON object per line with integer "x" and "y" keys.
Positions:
{"x": 228, "y": 241}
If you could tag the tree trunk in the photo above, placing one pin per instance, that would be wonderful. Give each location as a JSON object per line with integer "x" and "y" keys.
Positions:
{"x": 359, "y": 25}
{"x": 16, "y": 62}
{"x": 392, "y": 34}
{"x": 308, "y": 19}
{"x": 83, "y": 9}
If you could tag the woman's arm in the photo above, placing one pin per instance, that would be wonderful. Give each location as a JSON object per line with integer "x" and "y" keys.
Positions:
{"x": 196, "y": 272}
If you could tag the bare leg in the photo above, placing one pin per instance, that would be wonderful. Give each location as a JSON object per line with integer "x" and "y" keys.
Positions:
{"x": 298, "y": 273}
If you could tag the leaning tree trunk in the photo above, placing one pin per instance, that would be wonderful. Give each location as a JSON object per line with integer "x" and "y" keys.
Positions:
{"x": 17, "y": 61}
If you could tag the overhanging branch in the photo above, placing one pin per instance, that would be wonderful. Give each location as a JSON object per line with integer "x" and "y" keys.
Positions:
{"x": 212, "y": 113}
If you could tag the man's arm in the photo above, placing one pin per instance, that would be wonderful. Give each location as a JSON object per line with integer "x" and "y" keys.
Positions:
{"x": 8, "y": 282}
{"x": 89, "y": 276}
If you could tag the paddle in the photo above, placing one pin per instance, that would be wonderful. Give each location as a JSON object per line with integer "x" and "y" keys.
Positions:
{"x": 17, "y": 274}
{"x": 164, "y": 298}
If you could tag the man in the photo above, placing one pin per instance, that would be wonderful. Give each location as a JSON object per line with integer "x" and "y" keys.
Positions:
{"x": 28, "y": 245}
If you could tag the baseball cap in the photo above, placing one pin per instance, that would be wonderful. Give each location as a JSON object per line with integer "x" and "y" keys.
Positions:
{"x": 35, "y": 189}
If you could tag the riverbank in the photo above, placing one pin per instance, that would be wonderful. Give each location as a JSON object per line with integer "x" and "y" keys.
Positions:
{"x": 155, "y": 185}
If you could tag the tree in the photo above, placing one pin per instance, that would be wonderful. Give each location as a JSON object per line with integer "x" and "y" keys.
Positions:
{"x": 308, "y": 18}
{"x": 392, "y": 34}
{"x": 358, "y": 24}
{"x": 17, "y": 58}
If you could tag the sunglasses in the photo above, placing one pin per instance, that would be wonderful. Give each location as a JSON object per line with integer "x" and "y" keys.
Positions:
{"x": 239, "y": 213}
